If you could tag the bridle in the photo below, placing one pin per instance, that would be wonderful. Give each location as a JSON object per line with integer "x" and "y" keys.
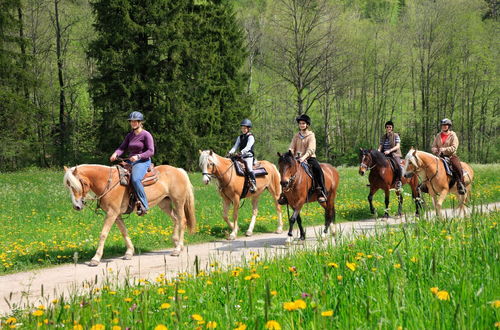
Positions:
{"x": 415, "y": 161}
{"x": 363, "y": 165}
{"x": 212, "y": 175}
{"x": 291, "y": 182}
{"x": 107, "y": 189}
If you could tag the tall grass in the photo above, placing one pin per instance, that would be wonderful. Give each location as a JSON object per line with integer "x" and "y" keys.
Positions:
{"x": 38, "y": 226}
{"x": 425, "y": 275}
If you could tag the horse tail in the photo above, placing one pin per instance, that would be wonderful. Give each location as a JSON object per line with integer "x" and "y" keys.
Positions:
{"x": 189, "y": 204}
{"x": 276, "y": 179}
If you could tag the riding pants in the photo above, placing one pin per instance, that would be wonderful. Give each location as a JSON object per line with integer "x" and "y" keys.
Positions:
{"x": 457, "y": 166}
{"x": 139, "y": 169}
{"x": 398, "y": 167}
{"x": 318, "y": 174}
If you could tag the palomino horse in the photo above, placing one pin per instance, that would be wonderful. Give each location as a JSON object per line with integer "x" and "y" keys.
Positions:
{"x": 231, "y": 187}
{"x": 173, "y": 193}
{"x": 381, "y": 177}
{"x": 296, "y": 186}
{"x": 431, "y": 171}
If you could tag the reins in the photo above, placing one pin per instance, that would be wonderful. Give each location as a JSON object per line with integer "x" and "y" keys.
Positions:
{"x": 108, "y": 188}
{"x": 427, "y": 179}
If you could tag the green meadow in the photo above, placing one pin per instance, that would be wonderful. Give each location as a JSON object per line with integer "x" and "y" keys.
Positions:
{"x": 39, "y": 228}
{"x": 422, "y": 275}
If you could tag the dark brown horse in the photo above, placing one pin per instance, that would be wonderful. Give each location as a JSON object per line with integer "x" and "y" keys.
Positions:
{"x": 382, "y": 177}
{"x": 297, "y": 188}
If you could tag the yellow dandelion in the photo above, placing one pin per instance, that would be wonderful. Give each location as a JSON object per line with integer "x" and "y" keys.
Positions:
{"x": 300, "y": 304}
{"x": 211, "y": 325}
{"x": 333, "y": 264}
{"x": 240, "y": 326}
{"x": 248, "y": 278}
{"x": 495, "y": 304}
{"x": 112, "y": 292}
{"x": 339, "y": 277}
{"x": 390, "y": 250}
{"x": 181, "y": 291}
{"x": 161, "y": 290}
{"x": 197, "y": 317}
{"x": 116, "y": 327}
{"x": 98, "y": 326}
{"x": 292, "y": 269}
{"x": 434, "y": 290}
{"x": 165, "y": 306}
{"x": 443, "y": 295}
{"x": 77, "y": 327}
{"x": 11, "y": 320}
{"x": 38, "y": 313}
{"x": 115, "y": 320}
{"x": 397, "y": 266}
{"x": 289, "y": 306}
{"x": 497, "y": 324}
{"x": 127, "y": 299}
{"x": 161, "y": 327}
{"x": 272, "y": 325}
{"x": 351, "y": 265}
{"x": 327, "y": 313}
{"x": 274, "y": 293}
{"x": 414, "y": 260}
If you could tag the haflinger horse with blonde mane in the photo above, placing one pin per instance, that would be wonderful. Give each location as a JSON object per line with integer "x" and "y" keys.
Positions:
{"x": 231, "y": 187}
{"x": 173, "y": 193}
{"x": 432, "y": 173}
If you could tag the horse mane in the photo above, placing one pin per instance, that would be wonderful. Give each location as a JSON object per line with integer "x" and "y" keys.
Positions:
{"x": 378, "y": 158}
{"x": 205, "y": 156}
{"x": 287, "y": 157}
{"x": 71, "y": 181}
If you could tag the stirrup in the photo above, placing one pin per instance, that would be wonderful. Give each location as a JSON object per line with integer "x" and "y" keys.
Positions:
{"x": 398, "y": 185}
{"x": 253, "y": 187}
{"x": 461, "y": 188}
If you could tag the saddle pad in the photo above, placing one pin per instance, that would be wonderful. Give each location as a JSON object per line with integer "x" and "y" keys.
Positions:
{"x": 307, "y": 169}
{"x": 447, "y": 166}
{"x": 240, "y": 169}
{"x": 150, "y": 178}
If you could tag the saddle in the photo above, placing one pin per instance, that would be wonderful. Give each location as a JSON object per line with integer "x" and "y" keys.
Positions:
{"x": 125, "y": 171}
{"x": 447, "y": 165}
{"x": 258, "y": 170}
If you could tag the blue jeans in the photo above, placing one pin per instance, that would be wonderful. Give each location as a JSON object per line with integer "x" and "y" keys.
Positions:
{"x": 139, "y": 169}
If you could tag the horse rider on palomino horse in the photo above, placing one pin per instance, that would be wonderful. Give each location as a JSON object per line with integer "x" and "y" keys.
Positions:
{"x": 390, "y": 145}
{"x": 303, "y": 146}
{"x": 245, "y": 144}
{"x": 445, "y": 145}
{"x": 140, "y": 147}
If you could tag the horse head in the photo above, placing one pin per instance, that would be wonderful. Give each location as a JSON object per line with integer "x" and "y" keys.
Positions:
{"x": 412, "y": 163}
{"x": 78, "y": 186}
{"x": 208, "y": 161}
{"x": 288, "y": 167}
{"x": 366, "y": 161}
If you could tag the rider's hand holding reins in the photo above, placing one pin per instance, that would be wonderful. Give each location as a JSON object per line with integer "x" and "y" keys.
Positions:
{"x": 113, "y": 157}
{"x": 134, "y": 158}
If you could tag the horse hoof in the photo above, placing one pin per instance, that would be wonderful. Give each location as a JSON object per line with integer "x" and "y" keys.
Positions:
{"x": 127, "y": 257}
{"x": 175, "y": 253}
{"x": 279, "y": 231}
{"x": 302, "y": 238}
{"x": 231, "y": 237}
{"x": 248, "y": 234}
{"x": 93, "y": 263}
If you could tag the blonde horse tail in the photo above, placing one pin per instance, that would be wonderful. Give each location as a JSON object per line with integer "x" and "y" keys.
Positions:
{"x": 277, "y": 180}
{"x": 189, "y": 205}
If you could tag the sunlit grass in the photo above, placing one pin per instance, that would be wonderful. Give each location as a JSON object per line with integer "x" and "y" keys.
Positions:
{"x": 426, "y": 275}
{"x": 38, "y": 226}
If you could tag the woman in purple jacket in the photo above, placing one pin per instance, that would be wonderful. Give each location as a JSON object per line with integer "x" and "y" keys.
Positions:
{"x": 140, "y": 147}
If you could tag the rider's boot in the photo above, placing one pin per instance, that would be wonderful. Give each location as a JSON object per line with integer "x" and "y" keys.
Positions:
{"x": 321, "y": 194}
{"x": 252, "y": 181}
{"x": 282, "y": 200}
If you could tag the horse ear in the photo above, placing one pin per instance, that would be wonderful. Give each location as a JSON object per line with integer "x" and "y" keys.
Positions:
{"x": 279, "y": 155}
{"x": 415, "y": 152}
{"x": 289, "y": 151}
{"x": 199, "y": 150}
{"x": 65, "y": 169}
{"x": 211, "y": 152}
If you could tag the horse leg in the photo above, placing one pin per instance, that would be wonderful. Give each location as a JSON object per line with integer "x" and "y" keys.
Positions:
{"x": 180, "y": 218}
{"x": 128, "y": 242}
{"x": 370, "y": 199}
{"x": 108, "y": 223}
{"x": 438, "y": 202}
{"x": 329, "y": 216}
{"x": 386, "y": 211}
{"x": 255, "y": 211}
{"x": 225, "y": 212}
{"x": 236, "y": 207}
{"x": 291, "y": 221}
{"x": 399, "y": 193}
{"x": 416, "y": 196}
{"x": 165, "y": 206}
{"x": 301, "y": 229}
{"x": 276, "y": 195}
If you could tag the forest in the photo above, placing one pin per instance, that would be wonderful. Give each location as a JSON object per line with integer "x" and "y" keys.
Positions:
{"x": 71, "y": 71}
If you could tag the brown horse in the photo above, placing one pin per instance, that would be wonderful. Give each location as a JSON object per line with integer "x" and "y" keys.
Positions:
{"x": 382, "y": 177}
{"x": 231, "y": 187}
{"x": 431, "y": 171}
{"x": 173, "y": 193}
{"x": 297, "y": 186}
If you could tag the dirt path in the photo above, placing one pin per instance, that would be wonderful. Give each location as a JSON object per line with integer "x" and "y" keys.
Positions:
{"x": 41, "y": 286}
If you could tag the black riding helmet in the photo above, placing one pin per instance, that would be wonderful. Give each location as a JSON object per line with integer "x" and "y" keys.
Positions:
{"x": 305, "y": 118}
{"x": 246, "y": 122}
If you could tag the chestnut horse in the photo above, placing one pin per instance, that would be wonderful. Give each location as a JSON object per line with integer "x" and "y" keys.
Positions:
{"x": 231, "y": 187}
{"x": 431, "y": 171}
{"x": 296, "y": 186}
{"x": 173, "y": 193}
{"x": 381, "y": 177}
